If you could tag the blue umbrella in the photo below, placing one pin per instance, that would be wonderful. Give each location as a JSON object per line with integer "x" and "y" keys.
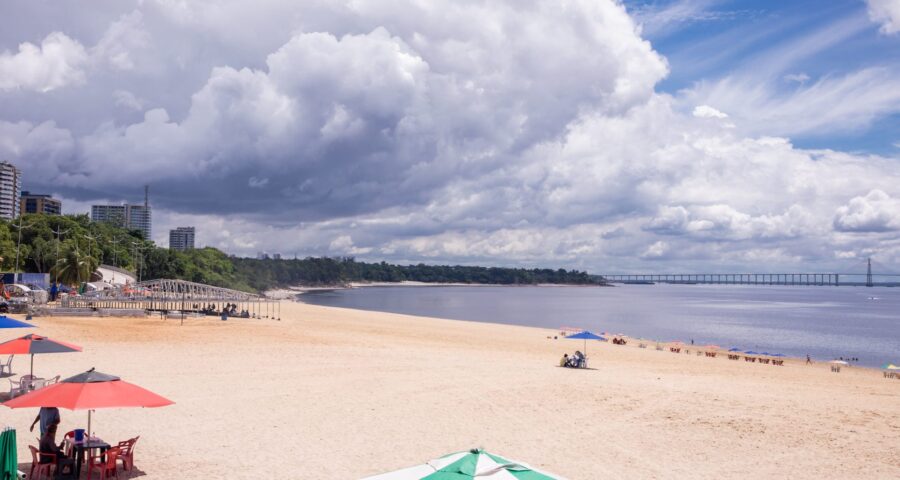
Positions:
{"x": 751, "y": 352}
{"x": 6, "y": 322}
{"x": 734, "y": 349}
{"x": 585, "y": 335}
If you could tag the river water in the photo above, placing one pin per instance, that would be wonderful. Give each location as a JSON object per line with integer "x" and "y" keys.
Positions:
{"x": 825, "y": 322}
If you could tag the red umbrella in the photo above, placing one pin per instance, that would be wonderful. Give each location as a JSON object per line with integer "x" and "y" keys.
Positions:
{"x": 88, "y": 391}
{"x": 35, "y": 344}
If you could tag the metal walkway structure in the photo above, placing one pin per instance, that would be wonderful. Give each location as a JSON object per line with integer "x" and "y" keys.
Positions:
{"x": 166, "y": 295}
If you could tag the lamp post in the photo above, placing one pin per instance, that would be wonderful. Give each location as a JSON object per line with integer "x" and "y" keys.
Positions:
{"x": 90, "y": 251}
{"x": 138, "y": 257}
{"x": 18, "y": 246}
{"x": 115, "y": 243}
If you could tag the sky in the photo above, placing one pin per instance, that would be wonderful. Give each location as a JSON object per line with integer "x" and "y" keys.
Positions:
{"x": 612, "y": 137}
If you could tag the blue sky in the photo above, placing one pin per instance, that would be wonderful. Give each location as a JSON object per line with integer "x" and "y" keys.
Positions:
{"x": 712, "y": 39}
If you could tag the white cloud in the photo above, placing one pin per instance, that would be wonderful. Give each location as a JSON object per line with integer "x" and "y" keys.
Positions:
{"x": 705, "y": 111}
{"x": 800, "y": 78}
{"x": 344, "y": 245}
{"x": 656, "y": 251}
{"x": 886, "y": 13}
{"x": 121, "y": 41}
{"x": 57, "y": 62}
{"x": 875, "y": 212}
{"x": 830, "y": 104}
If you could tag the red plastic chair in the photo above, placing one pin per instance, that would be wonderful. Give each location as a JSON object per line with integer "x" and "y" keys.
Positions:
{"x": 69, "y": 441}
{"x": 108, "y": 467}
{"x": 126, "y": 452}
{"x": 36, "y": 457}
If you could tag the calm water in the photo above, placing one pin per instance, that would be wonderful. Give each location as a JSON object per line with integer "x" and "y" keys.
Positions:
{"x": 825, "y": 322}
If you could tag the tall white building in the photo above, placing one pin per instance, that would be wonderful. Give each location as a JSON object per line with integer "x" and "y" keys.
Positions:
{"x": 182, "y": 238}
{"x": 10, "y": 186}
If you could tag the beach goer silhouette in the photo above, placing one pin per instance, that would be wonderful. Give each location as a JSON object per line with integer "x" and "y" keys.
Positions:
{"x": 47, "y": 416}
{"x": 808, "y": 360}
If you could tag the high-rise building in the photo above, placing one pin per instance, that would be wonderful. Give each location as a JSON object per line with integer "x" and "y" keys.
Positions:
{"x": 139, "y": 219}
{"x": 182, "y": 238}
{"x": 10, "y": 185}
{"x": 113, "y": 214}
{"x": 39, "y": 203}
{"x": 134, "y": 217}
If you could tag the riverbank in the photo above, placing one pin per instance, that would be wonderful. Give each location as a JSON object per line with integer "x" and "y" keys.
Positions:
{"x": 355, "y": 393}
{"x": 292, "y": 292}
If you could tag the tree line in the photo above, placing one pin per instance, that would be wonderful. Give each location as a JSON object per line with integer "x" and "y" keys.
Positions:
{"x": 71, "y": 247}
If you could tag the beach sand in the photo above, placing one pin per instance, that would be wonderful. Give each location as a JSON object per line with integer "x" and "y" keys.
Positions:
{"x": 329, "y": 393}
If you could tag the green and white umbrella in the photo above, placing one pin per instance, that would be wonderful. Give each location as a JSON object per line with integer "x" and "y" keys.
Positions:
{"x": 474, "y": 464}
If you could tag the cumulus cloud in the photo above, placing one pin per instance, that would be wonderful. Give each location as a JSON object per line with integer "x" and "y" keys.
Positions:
{"x": 58, "y": 61}
{"x": 886, "y": 13}
{"x": 875, "y": 212}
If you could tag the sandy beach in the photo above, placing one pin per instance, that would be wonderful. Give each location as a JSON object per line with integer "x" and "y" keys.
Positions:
{"x": 329, "y": 393}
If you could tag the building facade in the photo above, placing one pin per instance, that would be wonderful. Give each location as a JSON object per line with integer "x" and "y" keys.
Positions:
{"x": 10, "y": 186}
{"x": 134, "y": 217}
{"x": 182, "y": 238}
{"x": 39, "y": 203}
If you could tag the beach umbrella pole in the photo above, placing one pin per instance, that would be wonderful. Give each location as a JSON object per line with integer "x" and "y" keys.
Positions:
{"x": 32, "y": 365}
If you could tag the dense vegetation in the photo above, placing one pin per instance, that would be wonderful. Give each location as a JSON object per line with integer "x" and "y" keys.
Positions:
{"x": 83, "y": 245}
{"x": 262, "y": 274}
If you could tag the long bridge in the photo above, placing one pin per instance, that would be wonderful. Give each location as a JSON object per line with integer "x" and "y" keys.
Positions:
{"x": 811, "y": 279}
{"x": 817, "y": 279}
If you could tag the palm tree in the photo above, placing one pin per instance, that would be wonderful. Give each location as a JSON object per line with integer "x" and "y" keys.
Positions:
{"x": 75, "y": 267}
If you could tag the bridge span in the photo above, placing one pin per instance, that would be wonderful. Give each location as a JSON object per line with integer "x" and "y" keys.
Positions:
{"x": 813, "y": 279}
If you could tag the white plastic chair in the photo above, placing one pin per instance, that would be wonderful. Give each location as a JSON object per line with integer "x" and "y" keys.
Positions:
{"x": 7, "y": 367}
{"x": 16, "y": 388}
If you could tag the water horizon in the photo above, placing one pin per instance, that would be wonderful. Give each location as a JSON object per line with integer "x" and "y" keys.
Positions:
{"x": 824, "y": 322}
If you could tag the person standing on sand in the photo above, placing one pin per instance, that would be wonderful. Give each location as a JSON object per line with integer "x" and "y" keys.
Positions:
{"x": 47, "y": 416}
{"x": 808, "y": 360}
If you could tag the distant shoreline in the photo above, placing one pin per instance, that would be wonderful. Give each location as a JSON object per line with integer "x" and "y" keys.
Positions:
{"x": 291, "y": 292}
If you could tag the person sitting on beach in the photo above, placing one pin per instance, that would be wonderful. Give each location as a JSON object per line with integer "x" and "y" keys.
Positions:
{"x": 579, "y": 359}
{"x": 564, "y": 361}
{"x": 48, "y": 445}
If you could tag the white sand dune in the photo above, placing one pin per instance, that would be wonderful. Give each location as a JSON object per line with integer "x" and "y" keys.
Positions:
{"x": 331, "y": 393}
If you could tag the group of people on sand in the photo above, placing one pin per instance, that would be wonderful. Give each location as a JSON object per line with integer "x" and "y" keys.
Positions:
{"x": 577, "y": 360}
{"x": 49, "y": 419}
{"x": 229, "y": 309}
{"x": 619, "y": 341}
